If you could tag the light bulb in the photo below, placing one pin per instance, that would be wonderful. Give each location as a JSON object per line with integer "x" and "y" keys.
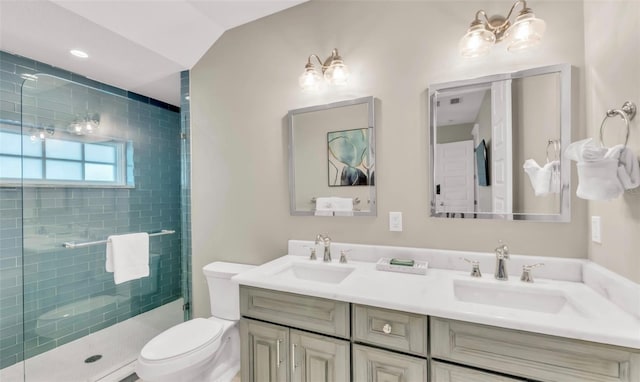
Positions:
{"x": 477, "y": 41}
{"x": 310, "y": 79}
{"x": 526, "y": 32}
{"x": 42, "y": 135}
{"x": 337, "y": 73}
{"x": 33, "y": 137}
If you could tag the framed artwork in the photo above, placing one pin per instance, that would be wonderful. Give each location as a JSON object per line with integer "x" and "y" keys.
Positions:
{"x": 349, "y": 158}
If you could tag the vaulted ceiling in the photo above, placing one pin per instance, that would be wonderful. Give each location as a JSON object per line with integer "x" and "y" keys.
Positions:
{"x": 137, "y": 45}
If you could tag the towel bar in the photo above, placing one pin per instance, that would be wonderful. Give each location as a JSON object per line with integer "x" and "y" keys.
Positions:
{"x": 72, "y": 244}
{"x": 627, "y": 112}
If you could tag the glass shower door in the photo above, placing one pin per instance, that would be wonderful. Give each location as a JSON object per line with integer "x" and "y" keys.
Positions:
{"x": 95, "y": 164}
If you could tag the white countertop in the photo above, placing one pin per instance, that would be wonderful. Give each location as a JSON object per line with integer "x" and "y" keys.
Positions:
{"x": 604, "y": 313}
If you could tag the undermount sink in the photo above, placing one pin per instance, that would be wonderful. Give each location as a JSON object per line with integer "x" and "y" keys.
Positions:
{"x": 523, "y": 298}
{"x": 325, "y": 273}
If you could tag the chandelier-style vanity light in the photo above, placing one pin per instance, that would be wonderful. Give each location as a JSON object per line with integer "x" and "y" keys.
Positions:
{"x": 86, "y": 124}
{"x": 38, "y": 134}
{"x": 334, "y": 70}
{"x": 525, "y": 32}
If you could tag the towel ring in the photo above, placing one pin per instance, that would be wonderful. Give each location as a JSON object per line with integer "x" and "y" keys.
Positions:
{"x": 627, "y": 112}
{"x": 556, "y": 149}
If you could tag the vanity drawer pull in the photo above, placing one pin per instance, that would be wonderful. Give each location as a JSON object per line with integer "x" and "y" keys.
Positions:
{"x": 278, "y": 361}
{"x": 386, "y": 329}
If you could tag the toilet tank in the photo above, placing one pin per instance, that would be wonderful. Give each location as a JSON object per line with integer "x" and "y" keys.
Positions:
{"x": 224, "y": 294}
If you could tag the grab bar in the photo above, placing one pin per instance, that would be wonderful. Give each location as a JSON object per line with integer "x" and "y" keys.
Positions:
{"x": 72, "y": 244}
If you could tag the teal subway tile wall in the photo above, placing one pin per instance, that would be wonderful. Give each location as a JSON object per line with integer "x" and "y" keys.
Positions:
{"x": 39, "y": 279}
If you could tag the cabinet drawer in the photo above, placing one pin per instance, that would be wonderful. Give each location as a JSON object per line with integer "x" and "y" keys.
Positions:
{"x": 529, "y": 355}
{"x": 391, "y": 329}
{"x": 374, "y": 365}
{"x": 303, "y": 312}
{"x": 443, "y": 372}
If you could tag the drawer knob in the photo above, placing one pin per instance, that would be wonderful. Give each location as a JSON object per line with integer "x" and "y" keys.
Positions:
{"x": 386, "y": 328}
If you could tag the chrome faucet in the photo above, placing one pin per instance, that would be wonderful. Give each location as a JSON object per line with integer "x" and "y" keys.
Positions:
{"x": 326, "y": 240}
{"x": 502, "y": 254}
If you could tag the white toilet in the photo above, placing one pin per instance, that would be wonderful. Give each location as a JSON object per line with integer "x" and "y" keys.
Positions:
{"x": 200, "y": 350}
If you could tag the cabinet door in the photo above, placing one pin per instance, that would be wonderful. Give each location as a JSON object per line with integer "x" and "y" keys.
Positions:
{"x": 375, "y": 365}
{"x": 442, "y": 372}
{"x": 316, "y": 358}
{"x": 263, "y": 352}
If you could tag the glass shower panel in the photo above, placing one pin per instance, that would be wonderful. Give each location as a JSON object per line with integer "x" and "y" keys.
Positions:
{"x": 79, "y": 324}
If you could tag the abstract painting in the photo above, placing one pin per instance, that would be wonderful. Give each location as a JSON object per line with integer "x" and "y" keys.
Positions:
{"x": 350, "y": 158}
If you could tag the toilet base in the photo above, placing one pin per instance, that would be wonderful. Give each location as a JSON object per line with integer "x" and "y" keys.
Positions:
{"x": 221, "y": 367}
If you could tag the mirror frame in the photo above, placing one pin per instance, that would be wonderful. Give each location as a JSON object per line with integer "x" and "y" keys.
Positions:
{"x": 372, "y": 211}
{"x": 566, "y": 113}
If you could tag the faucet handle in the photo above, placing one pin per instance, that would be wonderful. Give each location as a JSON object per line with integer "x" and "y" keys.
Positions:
{"x": 343, "y": 255}
{"x": 526, "y": 272}
{"x": 475, "y": 264}
{"x": 312, "y": 252}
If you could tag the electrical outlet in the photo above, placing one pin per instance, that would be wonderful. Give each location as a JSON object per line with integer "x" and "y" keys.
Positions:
{"x": 596, "y": 233}
{"x": 395, "y": 221}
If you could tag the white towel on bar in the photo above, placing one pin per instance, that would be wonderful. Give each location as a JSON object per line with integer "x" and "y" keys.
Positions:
{"x": 128, "y": 256}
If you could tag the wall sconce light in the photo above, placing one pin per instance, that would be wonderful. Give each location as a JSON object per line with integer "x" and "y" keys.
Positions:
{"x": 525, "y": 32}
{"x": 333, "y": 68}
{"x": 86, "y": 124}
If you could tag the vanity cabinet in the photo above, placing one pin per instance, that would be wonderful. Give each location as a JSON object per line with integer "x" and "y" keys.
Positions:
{"x": 532, "y": 356}
{"x": 290, "y": 337}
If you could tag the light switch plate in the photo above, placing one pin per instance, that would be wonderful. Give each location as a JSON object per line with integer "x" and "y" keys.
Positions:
{"x": 395, "y": 221}
{"x": 596, "y": 234}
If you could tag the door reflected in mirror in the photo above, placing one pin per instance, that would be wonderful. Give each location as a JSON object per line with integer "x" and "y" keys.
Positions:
{"x": 332, "y": 159}
{"x": 496, "y": 145}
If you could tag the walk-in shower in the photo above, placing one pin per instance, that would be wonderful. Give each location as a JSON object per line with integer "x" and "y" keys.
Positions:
{"x": 80, "y": 162}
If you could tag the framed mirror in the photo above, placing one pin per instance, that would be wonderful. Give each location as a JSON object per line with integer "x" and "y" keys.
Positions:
{"x": 332, "y": 159}
{"x": 496, "y": 146}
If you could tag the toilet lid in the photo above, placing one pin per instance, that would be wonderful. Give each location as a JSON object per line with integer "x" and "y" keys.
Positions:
{"x": 181, "y": 339}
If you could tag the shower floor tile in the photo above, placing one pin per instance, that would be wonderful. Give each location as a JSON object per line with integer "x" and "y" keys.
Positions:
{"x": 119, "y": 346}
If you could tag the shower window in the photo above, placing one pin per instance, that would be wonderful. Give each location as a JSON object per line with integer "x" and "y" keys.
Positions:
{"x": 59, "y": 162}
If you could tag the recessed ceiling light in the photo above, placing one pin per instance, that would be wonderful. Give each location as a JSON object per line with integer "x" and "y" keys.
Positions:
{"x": 79, "y": 53}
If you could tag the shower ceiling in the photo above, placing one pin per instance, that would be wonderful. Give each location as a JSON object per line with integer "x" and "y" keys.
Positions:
{"x": 137, "y": 45}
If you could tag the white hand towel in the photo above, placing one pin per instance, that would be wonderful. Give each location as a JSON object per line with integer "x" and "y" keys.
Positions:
{"x": 540, "y": 177}
{"x": 342, "y": 204}
{"x": 128, "y": 256}
{"x": 324, "y": 204}
{"x": 585, "y": 150}
{"x": 628, "y": 167}
{"x": 598, "y": 180}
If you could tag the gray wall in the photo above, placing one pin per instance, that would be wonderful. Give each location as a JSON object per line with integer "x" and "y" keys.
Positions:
{"x": 612, "y": 77}
{"x": 243, "y": 87}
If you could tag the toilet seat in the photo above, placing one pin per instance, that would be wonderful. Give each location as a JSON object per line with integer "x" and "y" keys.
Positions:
{"x": 188, "y": 337}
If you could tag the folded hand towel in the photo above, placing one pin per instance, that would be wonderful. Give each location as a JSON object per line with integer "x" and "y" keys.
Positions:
{"x": 628, "y": 167}
{"x": 585, "y": 150}
{"x": 342, "y": 204}
{"x": 128, "y": 256}
{"x": 598, "y": 180}
{"x": 324, "y": 204}
{"x": 541, "y": 178}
